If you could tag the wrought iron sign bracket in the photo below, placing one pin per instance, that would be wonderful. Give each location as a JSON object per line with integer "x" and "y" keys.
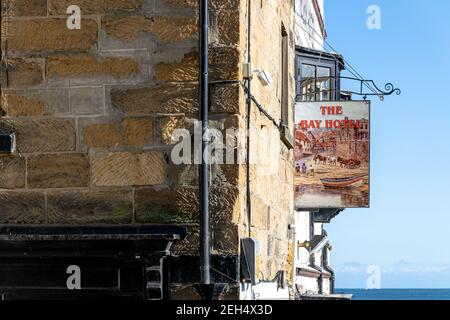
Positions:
{"x": 389, "y": 88}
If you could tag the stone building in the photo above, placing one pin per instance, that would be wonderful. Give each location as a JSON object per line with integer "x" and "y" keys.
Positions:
{"x": 318, "y": 79}
{"x": 93, "y": 112}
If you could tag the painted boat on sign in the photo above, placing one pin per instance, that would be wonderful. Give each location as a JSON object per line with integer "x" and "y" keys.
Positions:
{"x": 350, "y": 182}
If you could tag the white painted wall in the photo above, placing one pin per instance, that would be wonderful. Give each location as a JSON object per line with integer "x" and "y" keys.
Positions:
{"x": 308, "y": 33}
{"x": 318, "y": 229}
{"x": 326, "y": 286}
{"x": 263, "y": 291}
{"x": 301, "y": 255}
{"x": 302, "y": 234}
{"x": 306, "y": 285}
{"x": 318, "y": 258}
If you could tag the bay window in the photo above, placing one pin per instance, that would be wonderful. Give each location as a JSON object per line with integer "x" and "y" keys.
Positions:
{"x": 317, "y": 75}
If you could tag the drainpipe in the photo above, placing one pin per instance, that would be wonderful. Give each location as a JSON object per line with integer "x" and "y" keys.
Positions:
{"x": 205, "y": 277}
{"x": 207, "y": 289}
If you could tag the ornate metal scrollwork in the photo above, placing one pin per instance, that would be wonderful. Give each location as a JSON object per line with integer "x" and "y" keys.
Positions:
{"x": 389, "y": 88}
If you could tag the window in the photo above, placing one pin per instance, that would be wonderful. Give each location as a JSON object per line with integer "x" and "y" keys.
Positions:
{"x": 316, "y": 83}
{"x": 323, "y": 83}
{"x": 317, "y": 75}
{"x": 307, "y": 82}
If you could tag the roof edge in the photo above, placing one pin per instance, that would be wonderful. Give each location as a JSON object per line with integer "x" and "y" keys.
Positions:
{"x": 320, "y": 18}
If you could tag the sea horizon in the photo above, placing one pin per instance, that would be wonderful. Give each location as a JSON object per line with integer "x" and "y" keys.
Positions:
{"x": 397, "y": 293}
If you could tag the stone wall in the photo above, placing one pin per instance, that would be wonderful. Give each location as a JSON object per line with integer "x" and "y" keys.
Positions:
{"x": 272, "y": 193}
{"x": 94, "y": 110}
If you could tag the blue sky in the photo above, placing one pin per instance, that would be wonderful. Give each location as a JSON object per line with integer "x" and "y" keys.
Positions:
{"x": 407, "y": 229}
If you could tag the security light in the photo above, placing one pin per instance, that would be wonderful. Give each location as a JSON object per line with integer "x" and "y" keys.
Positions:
{"x": 248, "y": 72}
{"x": 265, "y": 78}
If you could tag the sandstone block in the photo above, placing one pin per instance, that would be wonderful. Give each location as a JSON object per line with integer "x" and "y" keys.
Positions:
{"x": 181, "y": 205}
{"x": 59, "y": 7}
{"x": 165, "y": 29}
{"x": 50, "y": 35}
{"x": 166, "y": 98}
{"x": 128, "y": 169}
{"x": 18, "y": 8}
{"x": 21, "y": 72}
{"x": 58, "y": 171}
{"x": 229, "y": 29}
{"x": 19, "y": 106}
{"x": 90, "y": 207}
{"x": 215, "y": 4}
{"x": 227, "y": 98}
{"x": 12, "y": 172}
{"x": 224, "y": 65}
{"x": 138, "y": 131}
{"x": 84, "y": 65}
{"x": 164, "y": 205}
{"x": 102, "y": 136}
{"x": 22, "y": 207}
{"x": 167, "y": 126}
{"x": 43, "y": 135}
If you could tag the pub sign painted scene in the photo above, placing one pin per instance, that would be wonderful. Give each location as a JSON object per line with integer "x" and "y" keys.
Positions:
{"x": 332, "y": 154}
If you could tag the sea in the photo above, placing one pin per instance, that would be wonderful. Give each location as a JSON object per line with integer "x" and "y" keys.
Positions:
{"x": 397, "y": 294}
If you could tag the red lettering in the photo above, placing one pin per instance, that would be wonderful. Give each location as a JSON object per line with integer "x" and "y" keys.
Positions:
{"x": 310, "y": 124}
{"x": 332, "y": 110}
{"x": 337, "y": 124}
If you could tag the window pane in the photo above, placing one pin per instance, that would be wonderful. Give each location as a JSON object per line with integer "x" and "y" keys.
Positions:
{"x": 307, "y": 82}
{"x": 323, "y": 84}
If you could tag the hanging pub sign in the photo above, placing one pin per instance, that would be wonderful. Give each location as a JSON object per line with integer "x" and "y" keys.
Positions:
{"x": 332, "y": 154}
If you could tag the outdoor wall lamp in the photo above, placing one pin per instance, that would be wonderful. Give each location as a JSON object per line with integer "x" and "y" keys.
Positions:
{"x": 305, "y": 244}
{"x": 263, "y": 75}
{"x": 265, "y": 78}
